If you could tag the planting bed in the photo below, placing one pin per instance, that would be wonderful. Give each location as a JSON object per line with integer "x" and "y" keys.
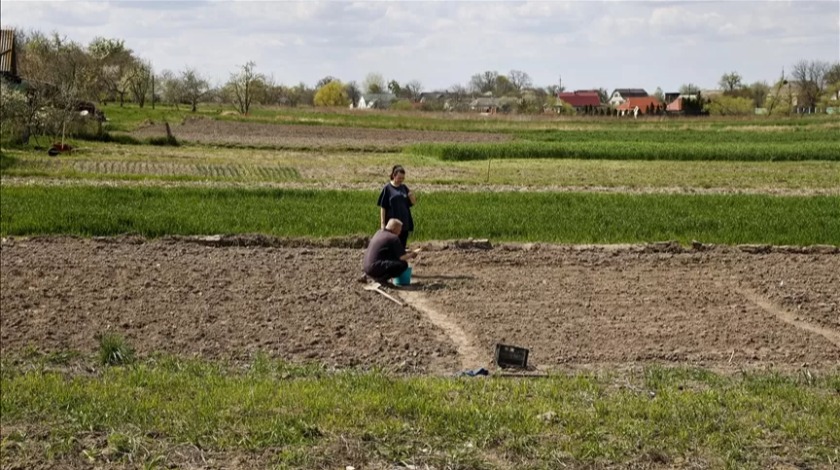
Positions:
{"x": 208, "y": 131}
{"x": 572, "y": 306}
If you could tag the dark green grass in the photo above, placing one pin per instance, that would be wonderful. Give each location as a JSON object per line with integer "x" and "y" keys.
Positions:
{"x": 316, "y": 419}
{"x": 683, "y": 136}
{"x": 546, "y": 217}
{"x": 706, "y": 149}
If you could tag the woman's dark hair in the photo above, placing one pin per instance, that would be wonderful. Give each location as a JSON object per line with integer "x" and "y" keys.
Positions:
{"x": 397, "y": 170}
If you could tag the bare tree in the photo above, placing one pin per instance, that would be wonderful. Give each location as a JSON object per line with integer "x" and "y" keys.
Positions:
{"x": 374, "y": 83}
{"x": 172, "y": 88}
{"x": 140, "y": 80}
{"x": 810, "y": 75}
{"x": 242, "y": 85}
{"x": 414, "y": 88}
{"x": 519, "y": 79}
{"x": 483, "y": 82}
{"x": 194, "y": 87}
{"x": 730, "y": 82}
{"x": 353, "y": 92}
{"x": 325, "y": 80}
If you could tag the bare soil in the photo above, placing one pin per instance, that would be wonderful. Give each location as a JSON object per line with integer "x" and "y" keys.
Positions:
{"x": 572, "y": 306}
{"x": 210, "y": 131}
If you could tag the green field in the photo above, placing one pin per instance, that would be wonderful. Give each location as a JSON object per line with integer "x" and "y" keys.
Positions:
{"x": 311, "y": 418}
{"x": 544, "y": 217}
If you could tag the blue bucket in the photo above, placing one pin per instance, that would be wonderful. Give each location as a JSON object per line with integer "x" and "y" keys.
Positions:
{"x": 404, "y": 279}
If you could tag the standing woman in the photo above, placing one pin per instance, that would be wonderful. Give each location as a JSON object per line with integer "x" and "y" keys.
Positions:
{"x": 395, "y": 202}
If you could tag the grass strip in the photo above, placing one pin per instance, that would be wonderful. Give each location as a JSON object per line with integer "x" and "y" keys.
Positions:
{"x": 543, "y": 217}
{"x": 638, "y": 150}
{"x": 682, "y": 136}
{"x": 325, "y": 420}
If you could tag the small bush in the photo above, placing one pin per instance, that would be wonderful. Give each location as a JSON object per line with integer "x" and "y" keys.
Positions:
{"x": 164, "y": 141}
{"x": 114, "y": 350}
{"x": 123, "y": 139}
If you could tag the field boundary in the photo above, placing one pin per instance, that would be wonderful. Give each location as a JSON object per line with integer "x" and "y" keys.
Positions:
{"x": 65, "y": 180}
{"x": 270, "y": 241}
{"x": 788, "y": 317}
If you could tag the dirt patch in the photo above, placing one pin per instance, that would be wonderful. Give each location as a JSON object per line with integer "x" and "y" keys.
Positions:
{"x": 209, "y": 131}
{"x": 572, "y": 306}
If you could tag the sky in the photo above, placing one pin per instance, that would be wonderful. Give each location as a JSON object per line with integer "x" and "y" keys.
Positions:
{"x": 587, "y": 44}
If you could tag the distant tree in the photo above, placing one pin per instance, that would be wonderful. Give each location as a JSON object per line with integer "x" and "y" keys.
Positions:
{"x": 552, "y": 90}
{"x": 373, "y": 83}
{"x": 658, "y": 94}
{"x": 242, "y": 84}
{"x": 113, "y": 63}
{"x": 811, "y": 77}
{"x": 394, "y": 87}
{"x": 193, "y": 87}
{"x": 332, "y": 94}
{"x": 504, "y": 87}
{"x": 272, "y": 93}
{"x": 401, "y": 105}
{"x": 831, "y": 97}
{"x": 832, "y": 75}
{"x": 689, "y": 89}
{"x": 519, "y": 79}
{"x": 565, "y": 109}
{"x": 730, "y": 82}
{"x": 603, "y": 95}
{"x": 730, "y": 106}
{"x": 758, "y": 93}
{"x": 484, "y": 82}
{"x": 324, "y": 81}
{"x": 458, "y": 90}
{"x": 171, "y": 88}
{"x": 140, "y": 81}
{"x": 413, "y": 89}
{"x": 353, "y": 92}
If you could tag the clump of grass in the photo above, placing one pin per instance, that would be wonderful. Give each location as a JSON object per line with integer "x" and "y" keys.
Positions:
{"x": 114, "y": 350}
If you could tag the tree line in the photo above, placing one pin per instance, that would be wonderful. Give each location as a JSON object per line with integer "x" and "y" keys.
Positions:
{"x": 62, "y": 71}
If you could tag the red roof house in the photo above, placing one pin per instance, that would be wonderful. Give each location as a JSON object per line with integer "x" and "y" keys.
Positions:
{"x": 580, "y": 99}
{"x": 643, "y": 103}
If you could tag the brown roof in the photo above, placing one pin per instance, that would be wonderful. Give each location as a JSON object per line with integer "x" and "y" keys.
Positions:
{"x": 7, "y": 52}
{"x": 579, "y": 99}
{"x": 642, "y": 103}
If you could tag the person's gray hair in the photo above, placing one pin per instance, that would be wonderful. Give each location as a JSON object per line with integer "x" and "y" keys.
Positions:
{"x": 393, "y": 223}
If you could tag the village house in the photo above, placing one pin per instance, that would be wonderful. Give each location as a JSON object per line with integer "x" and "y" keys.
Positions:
{"x": 485, "y": 104}
{"x": 621, "y": 95}
{"x": 375, "y": 101}
{"x": 581, "y": 99}
{"x": 645, "y": 104}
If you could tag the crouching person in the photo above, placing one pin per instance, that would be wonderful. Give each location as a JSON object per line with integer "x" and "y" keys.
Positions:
{"x": 385, "y": 257}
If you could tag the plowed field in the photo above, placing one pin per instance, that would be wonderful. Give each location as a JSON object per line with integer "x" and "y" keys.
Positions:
{"x": 208, "y": 131}
{"x": 572, "y": 306}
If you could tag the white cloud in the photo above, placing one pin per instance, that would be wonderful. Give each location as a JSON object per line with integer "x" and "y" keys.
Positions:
{"x": 610, "y": 44}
